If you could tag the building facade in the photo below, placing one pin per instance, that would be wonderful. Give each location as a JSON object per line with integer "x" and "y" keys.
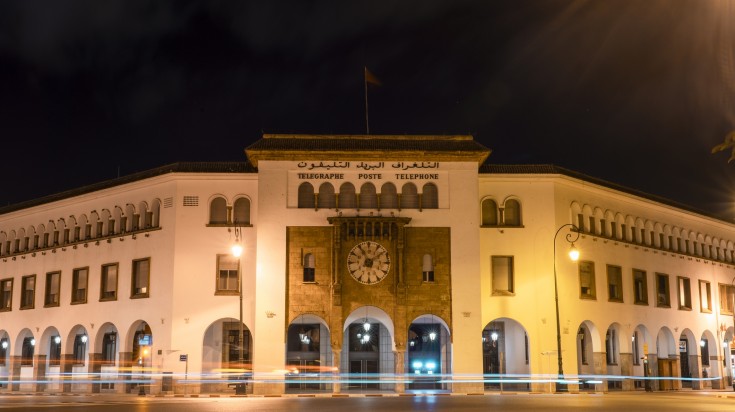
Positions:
{"x": 369, "y": 263}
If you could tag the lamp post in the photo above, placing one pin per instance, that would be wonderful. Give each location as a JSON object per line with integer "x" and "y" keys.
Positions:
{"x": 732, "y": 283}
{"x": 574, "y": 255}
{"x": 237, "y": 252}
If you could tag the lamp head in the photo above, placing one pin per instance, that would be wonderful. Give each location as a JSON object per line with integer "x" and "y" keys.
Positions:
{"x": 236, "y": 250}
{"x": 574, "y": 253}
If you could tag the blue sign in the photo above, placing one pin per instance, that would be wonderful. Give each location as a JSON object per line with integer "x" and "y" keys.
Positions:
{"x": 145, "y": 340}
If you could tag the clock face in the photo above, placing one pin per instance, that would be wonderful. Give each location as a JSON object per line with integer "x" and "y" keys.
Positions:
{"x": 368, "y": 262}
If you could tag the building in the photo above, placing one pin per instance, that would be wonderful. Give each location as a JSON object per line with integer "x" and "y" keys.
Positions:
{"x": 409, "y": 260}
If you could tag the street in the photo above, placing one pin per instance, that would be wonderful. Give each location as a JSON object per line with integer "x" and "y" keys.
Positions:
{"x": 635, "y": 401}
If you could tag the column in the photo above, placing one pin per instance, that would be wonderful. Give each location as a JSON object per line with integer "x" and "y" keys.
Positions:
{"x": 626, "y": 369}
{"x": 399, "y": 356}
{"x": 336, "y": 355}
{"x": 39, "y": 373}
{"x": 95, "y": 368}
{"x": 599, "y": 360}
{"x": 14, "y": 376}
{"x": 65, "y": 369}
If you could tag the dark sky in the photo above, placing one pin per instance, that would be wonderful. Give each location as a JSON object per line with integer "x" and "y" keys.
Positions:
{"x": 635, "y": 92}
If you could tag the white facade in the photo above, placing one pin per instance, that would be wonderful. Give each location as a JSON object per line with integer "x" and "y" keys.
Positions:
{"x": 501, "y": 324}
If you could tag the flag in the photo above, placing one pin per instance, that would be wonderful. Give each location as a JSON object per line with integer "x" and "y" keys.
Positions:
{"x": 370, "y": 78}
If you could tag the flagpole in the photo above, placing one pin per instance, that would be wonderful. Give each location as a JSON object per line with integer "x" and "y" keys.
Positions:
{"x": 367, "y": 121}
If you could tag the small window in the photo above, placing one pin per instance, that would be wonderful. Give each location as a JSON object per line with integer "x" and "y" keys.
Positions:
{"x": 640, "y": 287}
{"x": 368, "y": 196}
{"x": 326, "y": 199}
{"x": 306, "y": 196}
{"x": 727, "y": 292}
{"x": 613, "y": 230}
{"x": 227, "y": 275}
{"x": 141, "y": 278}
{"x": 705, "y": 296}
{"x": 347, "y": 199}
{"x": 429, "y": 197}
{"x": 663, "y": 299}
{"x": 28, "y": 296}
{"x": 409, "y": 196}
{"x": 603, "y": 227}
{"x": 428, "y": 268}
{"x": 593, "y": 225}
{"x": 685, "y": 293}
{"x": 54, "y": 351}
{"x": 512, "y": 213}
{"x": 108, "y": 284}
{"x": 80, "y": 349}
{"x": 309, "y": 268}
{"x": 6, "y": 295}
{"x": 218, "y": 211}
{"x": 388, "y": 196}
{"x": 79, "y": 285}
{"x": 27, "y": 350}
{"x": 615, "y": 283}
{"x": 502, "y": 272}
{"x": 108, "y": 348}
{"x": 489, "y": 213}
{"x": 241, "y": 211}
{"x": 587, "y": 280}
{"x": 52, "y": 289}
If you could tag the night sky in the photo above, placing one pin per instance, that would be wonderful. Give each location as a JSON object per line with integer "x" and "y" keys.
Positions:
{"x": 635, "y": 92}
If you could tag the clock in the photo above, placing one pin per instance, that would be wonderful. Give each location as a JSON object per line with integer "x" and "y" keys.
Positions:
{"x": 368, "y": 262}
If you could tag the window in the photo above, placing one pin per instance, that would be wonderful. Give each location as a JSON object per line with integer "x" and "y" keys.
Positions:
{"x": 663, "y": 299}
{"x": 593, "y": 225}
{"x": 611, "y": 346}
{"x": 227, "y": 271}
{"x": 326, "y": 198}
{"x": 309, "y": 268}
{"x": 28, "y": 296}
{"x": 306, "y": 196}
{"x": 108, "y": 348}
{"x": 80, "y": 349}
{"x": 52, "y": 289}
{"x": 582, "y": 345}
{"x": 4, "y": 351}
{"x": 409, "y": 196}
{"x": 388, "y": 196}
{"x": 26, "y": 354}
{"x": 429, "y": 197}
{"x": 704, "y": 347}
{"x": 615, "y": 283}
{"x": 241, "y": 211}
{"x": 685, "y": 293}
{"x": 587, "y": 280}
{"x": 79, "y": 285}
{"x": 636, "y": 349}
{"x": 489, "y": 213}
{"x": 6, "y": 295}
{"x": 218, "y": 211}
{"x": 347, "y": 198}
{"x": 141, "y": 278}
{"x": 603, "y": 227}
{"x": 727, "y": 292}
{"x": 428, "y": 268}
{"x": 613, "y": 230}
{"x": 640, "y": 287}
{"x": 108, "y": 284}
{"x": 512, "y": 213}
{"x": 54, "y": 351}
{"x": 368, "y": 196}
{"x": 502, "y": 268}
{"x": 705, "y": 296}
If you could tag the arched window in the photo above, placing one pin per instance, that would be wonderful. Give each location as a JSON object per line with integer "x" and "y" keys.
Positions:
{"x": 409, "y": 196}
{"x": 512, "y": 213}
{"x": 241, "y": 211}
{"x": 306, "y": 196}
{"x": 430, "y": 197}
{"x": 326, "y": 196}
{"x": 428, "y": 268}
{"x": 347, "y": 198}
{"x": 368, "y": 197}
{"x": 309, "y": 271}
{"x": 489, "y": 213}
{"x": 218, "y": 211}
{"x": 388, "y": 196}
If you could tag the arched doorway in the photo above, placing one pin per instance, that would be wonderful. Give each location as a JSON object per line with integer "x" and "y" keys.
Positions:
{"x": 710, "y": 371}
{"x": 308, "y": 354}
{"x": 429, "y": 349}
{"x": 666, "y": 357}
{"x": 24, "y": 350}
{"x": 222, "y": 352}
{"x": 4, "y": 359}
{"x": 50, "y": 351}
{"x": 75, "y": 347}
{"x": 367, "y": 349}
{"x": 589, "y": 352}
{"x": 140, "y": 344}
{"x": 613, "y": 360}
{"x": 688, "y": 359}
{"x": 106, "y": 358}
{"x": 728, "y": 349}
{"x": 640, "y": 343}
{"x": 505, "y": 355}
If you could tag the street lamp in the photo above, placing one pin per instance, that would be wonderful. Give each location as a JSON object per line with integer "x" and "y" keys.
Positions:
{"x": 573, "y": 255}
{"x": 237, "y": 252}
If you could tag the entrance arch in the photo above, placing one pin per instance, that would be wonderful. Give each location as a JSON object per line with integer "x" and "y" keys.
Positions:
{"x": 368, "y": 348}
{"x": 666, "y": 356}
{"x": 641, "y": 344}
{"x": 49, "y": 350}
{"x": 505, "y": 355}
{"x": 5, "y": 351}
{"x": 138, "y": 351}
{"x": 221, "y": 351}
{"x": 429, "y": 352}
{"x": 308, "y": 354}
{"x": 688, "y": 359}
{"x": 589, "y": 355}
